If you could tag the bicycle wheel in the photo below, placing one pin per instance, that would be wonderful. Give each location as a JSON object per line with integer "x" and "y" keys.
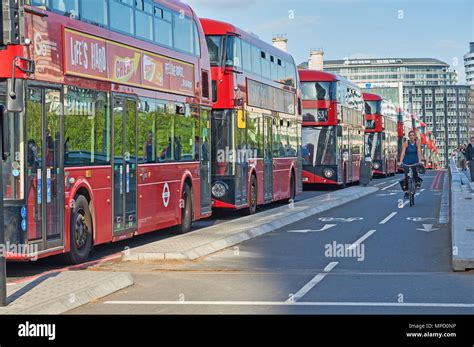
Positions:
{"x": 411, "y": 191}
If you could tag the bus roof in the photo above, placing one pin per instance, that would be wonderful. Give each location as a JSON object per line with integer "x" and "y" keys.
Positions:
{"x": 176, "y": 5}
{"x": 215, "y": 27}
{"x": 371, "y": 97}
{"x": 322, "y": 76}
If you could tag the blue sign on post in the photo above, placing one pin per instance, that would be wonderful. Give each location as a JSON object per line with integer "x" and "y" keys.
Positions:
{"x": 23, "y": 224}
{"x": 23, "y": 212}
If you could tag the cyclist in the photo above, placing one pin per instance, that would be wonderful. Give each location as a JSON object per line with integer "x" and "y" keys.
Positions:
{"x": 411, "y": 154}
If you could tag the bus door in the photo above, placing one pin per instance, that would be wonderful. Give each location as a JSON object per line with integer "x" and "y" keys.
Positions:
{"x": 205, "y": 159}
{"x": 43, "y": 216}
{"x": 124, "y": 164}
{"x": 267, "y": 158}
{"x": 241, "y": 161}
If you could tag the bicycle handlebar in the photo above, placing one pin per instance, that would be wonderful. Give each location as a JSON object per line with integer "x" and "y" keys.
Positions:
{"x": 412, "y": 165}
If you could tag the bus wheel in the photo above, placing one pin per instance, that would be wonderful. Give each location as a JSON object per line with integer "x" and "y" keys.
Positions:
{"x": 292, "y": 189}
{"x": 80, "y": 235}
{"x": 253, "y": 197}
{"x": 186, "y": 211}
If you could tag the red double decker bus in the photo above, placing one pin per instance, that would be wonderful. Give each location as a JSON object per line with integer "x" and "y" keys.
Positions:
{"x": 404, "y": 125}
{"x": 255, "y": 119}
{"x": 431, "y": 153}
{"x": 333, "y": 129}
{"x": 112, "y": 136}
{"x": 381, "y": 136}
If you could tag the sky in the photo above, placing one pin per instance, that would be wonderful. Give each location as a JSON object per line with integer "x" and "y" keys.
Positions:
{"x": 440, "y": 29}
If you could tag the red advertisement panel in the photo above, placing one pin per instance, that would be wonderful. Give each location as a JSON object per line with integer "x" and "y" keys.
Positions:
{"x": 85, "y": 55}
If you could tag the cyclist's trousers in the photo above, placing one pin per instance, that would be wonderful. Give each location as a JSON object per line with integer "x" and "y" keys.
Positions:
{"x": 404, "y": 182}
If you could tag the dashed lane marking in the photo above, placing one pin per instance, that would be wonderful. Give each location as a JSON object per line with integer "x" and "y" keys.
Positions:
{"x": 390, "y": 216}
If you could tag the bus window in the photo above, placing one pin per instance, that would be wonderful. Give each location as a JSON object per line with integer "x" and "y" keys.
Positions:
{"x": 12, "y": 169}
{"x": 146, "y": 131}
{"x": 214, "y": 45}
{"x": 94, "y": 11}
{"x": 183, "y": 33}
{"x": 163, "y": 28}
{"x": 86, "y": 127}
{"x": 256, "y": 60}
{"x": 246, "y": 56}
{"x": 121, "y": 16}
{"x": 69, "y": 7}
{"x": 221, "y": 142}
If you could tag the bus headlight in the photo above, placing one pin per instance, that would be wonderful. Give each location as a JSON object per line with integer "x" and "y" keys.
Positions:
{"x": 376, "y": 166}
{"x": 219, "y": 189}
{"x": 328, "y": 173}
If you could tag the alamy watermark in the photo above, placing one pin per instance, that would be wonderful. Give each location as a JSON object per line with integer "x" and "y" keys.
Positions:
{"x": 342, "y": 250}
{"x": 228, "y": 155}
{"x": 29, "y": 251}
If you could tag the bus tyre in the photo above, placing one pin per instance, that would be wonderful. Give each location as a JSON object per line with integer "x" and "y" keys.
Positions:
{"x": 80, "y": 235}
{"x": 186, "y": 211}
{"x": 252, "y": 209}
{"x": 292, "y": 189}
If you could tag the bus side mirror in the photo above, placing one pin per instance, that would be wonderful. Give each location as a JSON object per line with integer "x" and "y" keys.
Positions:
{"x": 15, "y": 95}
{"x": 339, "y": 131}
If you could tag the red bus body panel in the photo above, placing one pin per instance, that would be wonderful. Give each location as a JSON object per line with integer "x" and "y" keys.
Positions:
{"x": 48, "y": 29}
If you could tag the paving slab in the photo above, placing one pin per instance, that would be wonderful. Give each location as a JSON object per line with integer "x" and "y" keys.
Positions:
{"x": 212, "y": 239}
{"x": 58, "y": 292}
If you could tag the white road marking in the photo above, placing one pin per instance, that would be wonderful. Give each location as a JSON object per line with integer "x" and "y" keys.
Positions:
{"x": 316, "y": 279}
{"x": 362, "y": 239}
{"x": 419, "y": 219}
{"x": 427, "y": 228}
{"x": 325, "y": 227}
{"x": 289, "y": 303}
{"x": 404, "y": 204}
{"x": 388, "y": 217}
{"x": 385, "y": 188}
{"x": 337, "y": 219}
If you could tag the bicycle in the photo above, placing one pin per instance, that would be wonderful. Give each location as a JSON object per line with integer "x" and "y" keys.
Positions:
{"x": 411, "y": 183}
